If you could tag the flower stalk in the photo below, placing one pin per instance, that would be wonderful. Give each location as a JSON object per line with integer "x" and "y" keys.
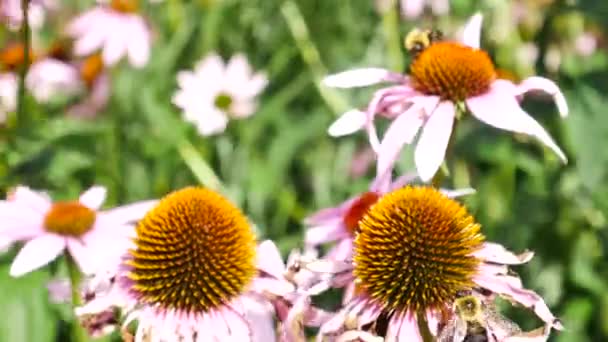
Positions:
{"x": 26, "y": 37}
{"x": 75, "y": 276}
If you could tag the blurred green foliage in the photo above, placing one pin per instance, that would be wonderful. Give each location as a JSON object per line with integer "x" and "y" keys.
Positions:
{"x": 281, "y": 165}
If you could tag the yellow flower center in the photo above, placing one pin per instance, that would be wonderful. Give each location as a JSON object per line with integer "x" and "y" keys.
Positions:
{"x": 124, "y": 6}
{"x": 413, "y": 250}
{"x": 223, "y": 101}
{"x": 452, "y": 71}
{"x": 69, "y": 219}
{"x": 195, "y": 252}
{"x": 91, "y": 68}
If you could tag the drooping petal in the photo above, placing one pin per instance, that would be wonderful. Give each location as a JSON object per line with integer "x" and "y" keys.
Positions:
{"x": 37, "y": 253}
{"x": 84, "y": 256}
{"x": 401, "y": 131}
{"x": 93, "y": 198}
{"x": 325, "y": 233}
{"x": 38, "y": 201}
{"x": 433, "y": 142}
{"x": 269, "y": 259}
{"x": 471, "y": 34}
{"x": 496, "y": 253}
{"x": 361, "y": 78}
{"x": 129, "y": 213}
{"x": 139, "y": 46}
{"x": 547, "y": 86}
{"x": 403, "y": 327}
{"x": 500, "y": 109}
{"x": 348, "y": 123}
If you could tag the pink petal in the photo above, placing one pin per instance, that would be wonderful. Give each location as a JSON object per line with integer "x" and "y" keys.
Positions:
{"x": 328, "y": 215}
{"x": 500, "y": 109}
{"x": 496, "y": 253}
{"x": 238, "y": 326}
{"x": 269, "y": 259}
{"x": 37, "y": 253}
{"x": 139, "y": 43}
{"x": 129, "y": 213}
{"x": 93, "y": 198}
{"x": 115, "y": 44}
{"x": 412, "y": 8}
{"x": 433, "y": 142}
{"x": 401, "y": 131}
{"x": 260, "y": 318}
{"x": 83, "y": 255}
{"x": 403, "y": 327}
{"x": 325, "y": 233}
{"x": 547, "y": 86}
{"x": 36, "y": 200}
{"x": 358, "y": 335}
{"x": 538, "y": 335}
{"x": 361, "y": 78}
{"x": 348, "y": 123}
{"x": 342, "y": 251}
{"x": 458, "y": 192}
{"x": 471, "y": 34}
{"x": 530, "y": 299}
{"x": 329, "y": 266}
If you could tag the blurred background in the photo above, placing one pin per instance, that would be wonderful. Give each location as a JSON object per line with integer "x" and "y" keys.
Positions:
{"x": 280, "y": 165}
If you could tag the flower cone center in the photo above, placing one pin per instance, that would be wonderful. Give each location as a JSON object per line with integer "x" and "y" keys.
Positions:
{"x": 413, "y": 250}
{"x": 452, "y": 71}
{"x": 124, "y": 6}
{"x": 13, "y": 56}
{"x": 223, "y": 101}
{"x": 91, "y": 68}
{"x": 69, "y": 219}
{"x": 358, "y": 209}
{"x": 195, "y": 252}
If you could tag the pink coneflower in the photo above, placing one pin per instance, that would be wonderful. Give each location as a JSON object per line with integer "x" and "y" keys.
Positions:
{"x": 93, "y": 74}
{"x": 193, "y": 272}
{"x": 415, "y": 251}
{"x": 445, "y": 78}
{"x": 213, "y": 93}
{"x": 8, "y": 94}
{"x": 116, "y": 29}
{"x": 12, "y": 14}
{"x": 339, "y": 224}
{"x": 48, "y": 228}
{"x": 49, "y": 77}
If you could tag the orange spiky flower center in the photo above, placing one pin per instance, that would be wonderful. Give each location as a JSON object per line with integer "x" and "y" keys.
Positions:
{"x": 413, "y": 250}
{"x": 452, "y": 71}
{"x": 195, "y": 252}
{"x": 124, "y": 6}
{"x": 358, "y": 209}
{"x": 69, "y": 219}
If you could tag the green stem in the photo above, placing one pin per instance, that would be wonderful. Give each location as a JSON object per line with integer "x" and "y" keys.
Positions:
{"x": 390, "y": 25}
{"x": 310, "y": 55}
{"x": 423, "y": 327}
{"x": 199, "y": 167}
{"x": 26, "y": 37}
{"x": 78, "y": 333}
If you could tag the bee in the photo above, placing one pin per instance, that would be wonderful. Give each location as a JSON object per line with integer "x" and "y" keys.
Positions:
{"x": 474, "y": 320}
{"x": 418, "y": 40}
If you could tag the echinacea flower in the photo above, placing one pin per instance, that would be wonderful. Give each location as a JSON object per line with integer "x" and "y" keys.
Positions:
{"x": 192, "y": 273}
{"x": 116, "y": 29}
{"x": 340, "y": 224}
{"x": 11, "y": 12}
{"x": 416, "y": 250}
{"x": 48, "y": 228}
{"x": 97, "y": 83}
{"x": 213, "y": 93}
{"x": 444, "y": 78}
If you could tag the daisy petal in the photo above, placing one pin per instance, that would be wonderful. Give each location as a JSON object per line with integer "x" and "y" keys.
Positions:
{"x": 471, "y": 35}
{"x": 547, "y": 86}
{"x": 37, "y": 253}
{"x": 433, "y": 142}
{"x": 130, "y": 212}
{"x": 35, "y": 200}
{"x": 350, "y": 122}
{"x": 499, "y": 109}
{"x": 361, "y": 78}
{"x": 93, "y": 198}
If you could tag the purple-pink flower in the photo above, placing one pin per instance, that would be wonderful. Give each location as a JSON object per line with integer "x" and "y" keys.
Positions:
{"x": 116, "y": 29}
{"x": 415, "y": 253}
{"x": 446, "y": 79}
{"x": 89, "y": 235}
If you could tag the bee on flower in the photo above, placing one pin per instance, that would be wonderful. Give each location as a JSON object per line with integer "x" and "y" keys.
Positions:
{"x": 446, "y": 79}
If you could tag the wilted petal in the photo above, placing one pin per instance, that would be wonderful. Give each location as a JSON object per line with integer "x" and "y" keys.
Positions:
{"x": 471, "y": 34}
{"x": 361, "y": 78}
{"x": 547, "y": 86}
{"x": 433, "y": 142}
{"x": 350, "y": 122}
{"x": 496, "y": 253}
{"x": 37, "y": 253}
{"x": 500, "y": 109}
